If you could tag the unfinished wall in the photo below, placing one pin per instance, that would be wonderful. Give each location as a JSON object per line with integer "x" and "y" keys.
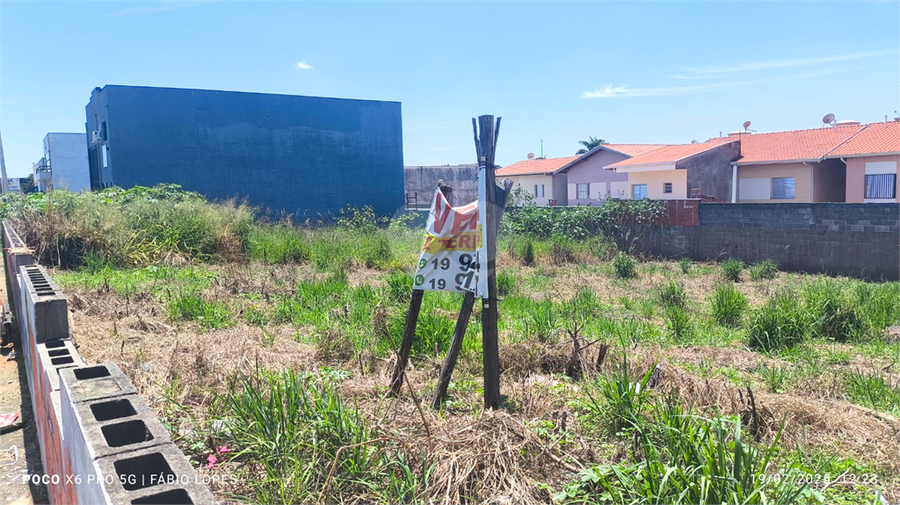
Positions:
{"x": 711, "y": 171}
{"x": 99, "y": 442}
{"x": 419, "y": 184}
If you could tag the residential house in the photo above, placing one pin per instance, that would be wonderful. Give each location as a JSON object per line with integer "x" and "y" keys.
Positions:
{"x": 871, "y": 157}
{"x": 701, "y": 170}
{"x": 543, "y": 178}
{"x": 792, "y": 166}
{"x": 590, "y": 184}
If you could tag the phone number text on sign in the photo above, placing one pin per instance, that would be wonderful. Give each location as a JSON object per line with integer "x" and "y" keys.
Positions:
{"x": 451, "y": 250}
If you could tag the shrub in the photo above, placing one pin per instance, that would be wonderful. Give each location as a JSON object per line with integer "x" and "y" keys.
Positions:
{"x": 767, "y": 269}
{"x": 728, "y": 305}
{"x": 625, "y": 266}
{"x": 732, "y": 269}
{"x": 671, "y": 294}
{"x": 779, "y": 324}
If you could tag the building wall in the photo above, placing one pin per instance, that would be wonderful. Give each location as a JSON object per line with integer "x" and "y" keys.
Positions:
{"x": 67, "y": 155}
{"x": 711, "y": 171}
{"x": 419, "y": 183}
{"x": 856, "y": 176}
{"x": 764, "y": 174}
{"x": 527, "y": 183}
{"x": 829, "y": 181}
{"x": 305, "y": 156}
{"x": 590, "y": 171}
{"x": 655, "y": 180}
{"x": 838, "y": 238}
{"x": 560, "y": 189}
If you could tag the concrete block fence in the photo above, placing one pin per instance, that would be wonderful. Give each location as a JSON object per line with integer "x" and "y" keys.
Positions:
{"x": 99, "y": 441}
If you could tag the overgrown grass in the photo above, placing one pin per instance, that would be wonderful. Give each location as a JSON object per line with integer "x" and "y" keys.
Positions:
{"x": 728, "y": 305}
{"x": 625, "y": 266}
{"x": 192, "y": 306}
{"x": 780, "y": 323}
{"x": 731, "y": 269}
{"x": 767, "y": 269}
{"x": 874, "y": 391}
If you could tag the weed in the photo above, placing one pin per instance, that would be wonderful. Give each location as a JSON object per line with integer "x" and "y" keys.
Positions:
{"x": 192, "y": 307}
{"x": 779, "y": 324}
{"x": 873, "y": 391}
{"x": 767, "y": 269}
{"x": 684, "y": 264}
{"x": 400, "y": 286}
{"x": 678, "y": 323}
{"x": 624, "y": 266}
{"x": 671, "y": 294}
{"x": 728, "y": 305}
{"x": 834, "y": 314}
{"x": 562, "y": 250}
{"x": 616, "y": 401}
{"x": 731, "y": 269}
{"x": 774, "y": 376}
{"x": 506, "y": 284}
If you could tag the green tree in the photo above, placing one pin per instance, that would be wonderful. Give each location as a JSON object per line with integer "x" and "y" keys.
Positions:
{"x": 589, "y": 144}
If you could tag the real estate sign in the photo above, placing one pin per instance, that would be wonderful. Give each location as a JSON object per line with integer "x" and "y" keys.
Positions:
{"x": 453, "y": 249}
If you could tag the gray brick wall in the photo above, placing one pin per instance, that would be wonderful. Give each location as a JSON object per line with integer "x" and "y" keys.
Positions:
{"x": 860, "y": 240}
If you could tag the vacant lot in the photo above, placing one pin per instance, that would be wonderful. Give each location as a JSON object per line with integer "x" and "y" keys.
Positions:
{"x": 716, "y": 382}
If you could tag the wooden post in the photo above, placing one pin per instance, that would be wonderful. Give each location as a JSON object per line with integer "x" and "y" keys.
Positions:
{"x": 409, "y": 334}
{"x": 440, "y": 393}
{"x": 489, "y": 335}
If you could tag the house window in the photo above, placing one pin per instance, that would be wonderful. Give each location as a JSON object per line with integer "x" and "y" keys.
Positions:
{"x": 103, "y": 130}
{"x": 584, "y": 191}
{"x": 881, "y": 186}
{"x": 539, "y": 191}
{"x": 783, "y": 188}
{"x": 667, "y": 187}
{"x": 639, "y": 191}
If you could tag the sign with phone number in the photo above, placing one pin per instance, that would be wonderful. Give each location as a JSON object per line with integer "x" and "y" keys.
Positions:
{"x": 452, "y": 250}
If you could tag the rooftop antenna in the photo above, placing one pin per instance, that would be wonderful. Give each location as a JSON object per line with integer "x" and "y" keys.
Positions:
{"x": 828, "y": 119}
{"x": 542, "y": 148}
{"x": 747, "y": 127}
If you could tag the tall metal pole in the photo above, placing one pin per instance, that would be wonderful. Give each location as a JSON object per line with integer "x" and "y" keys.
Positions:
{"x": 486, "y": 147}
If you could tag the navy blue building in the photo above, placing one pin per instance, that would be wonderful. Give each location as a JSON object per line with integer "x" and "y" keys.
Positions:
{"x": 306, "y": 156}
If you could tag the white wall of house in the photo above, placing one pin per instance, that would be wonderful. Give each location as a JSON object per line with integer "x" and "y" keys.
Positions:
{"x": 67, "y": 156}
{"x": 546, "y": 188}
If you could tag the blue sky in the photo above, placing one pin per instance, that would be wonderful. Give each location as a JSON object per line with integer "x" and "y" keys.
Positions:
{"x": 654, "y": 72}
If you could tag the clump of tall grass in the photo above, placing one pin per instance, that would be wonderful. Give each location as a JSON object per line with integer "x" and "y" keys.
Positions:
{"x": 779, "y": 324}
{"x": 728, "y": 305}
{"x": 879, "y": 303}
{"x": 731, "y": 269}
{"x": 301, "y": 443}
{"x": 616, "y": 401}
{"x": 684, "y": 264}
{"x": 562, "y": 250}
{"x": 506, "y": 284}
{"x": 873, "y": 391}
{"x": 625, "y": 266}
{"x": 682, "y": 457}
{"x": 193, "y": 307}
{"x": 281, "y": 243}
{"x": 522, "y": 249}
{"x": 678, "y": 323}
{"x": 834, "y": 314}
{"x": 767, "y": 269}
{"x": 672, "y": 294}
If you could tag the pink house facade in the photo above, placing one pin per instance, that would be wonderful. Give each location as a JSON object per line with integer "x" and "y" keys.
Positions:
{"x": 589, "y": 184}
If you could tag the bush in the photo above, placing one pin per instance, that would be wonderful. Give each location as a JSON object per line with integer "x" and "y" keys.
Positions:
{"x": 625, "y": 266}
{"x": 732, "y": 269}
{"x": 779, "y": 324}
{"x": 728, "y": 305}
{"x": 767, "y": 269}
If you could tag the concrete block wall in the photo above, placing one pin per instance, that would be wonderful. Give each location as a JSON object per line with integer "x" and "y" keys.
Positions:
{"x": 100, "y": 443}
{"x": 859, "y": 240}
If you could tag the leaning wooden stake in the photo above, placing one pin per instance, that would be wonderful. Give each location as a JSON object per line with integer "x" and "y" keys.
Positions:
{"x": 440, "y": 393}
{"x": 409, "y": 334}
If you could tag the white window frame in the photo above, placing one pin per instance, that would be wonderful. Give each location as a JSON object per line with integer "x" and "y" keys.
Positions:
{"x": 539, "y": 191}
{"x": 634, "y": 191}
{"x": 585, "y": 194}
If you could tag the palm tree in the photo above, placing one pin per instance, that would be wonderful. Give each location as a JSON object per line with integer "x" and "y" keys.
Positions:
{"x": 589, "y": 144}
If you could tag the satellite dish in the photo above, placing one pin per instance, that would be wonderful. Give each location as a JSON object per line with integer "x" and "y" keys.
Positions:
{"x": 530, "y": 156}
{"x": 828, "y": 119}
{"x": 746, "y": 124}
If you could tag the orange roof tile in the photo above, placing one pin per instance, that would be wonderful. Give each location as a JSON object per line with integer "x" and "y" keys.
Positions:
{"x": 671, "y": 154}
{"x": 796, "y": 145}
{"x": 535, "y": 166}
{"x": 634, "y": 149}
{"x": 876, "y": 138}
